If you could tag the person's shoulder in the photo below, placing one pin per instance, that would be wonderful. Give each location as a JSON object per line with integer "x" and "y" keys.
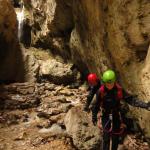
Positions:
{"x": 118, "y": 85}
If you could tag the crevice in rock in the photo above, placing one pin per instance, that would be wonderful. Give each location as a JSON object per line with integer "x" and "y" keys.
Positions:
{"x": 16, "y": 3}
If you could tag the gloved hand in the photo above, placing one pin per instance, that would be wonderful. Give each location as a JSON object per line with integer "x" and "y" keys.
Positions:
{"x": 122, "y": 125}
{"x": 94, "y": 120}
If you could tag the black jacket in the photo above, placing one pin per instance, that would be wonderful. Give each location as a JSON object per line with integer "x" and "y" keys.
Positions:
{"x": 92, "y": 92}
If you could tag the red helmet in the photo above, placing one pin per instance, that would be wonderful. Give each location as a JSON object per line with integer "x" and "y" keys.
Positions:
{"x": 92, "y": 79}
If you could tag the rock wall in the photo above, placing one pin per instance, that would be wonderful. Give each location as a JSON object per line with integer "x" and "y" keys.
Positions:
{"x": 94, "y": 34}
{"x": 51, "y": 23}
{"x": 86, "y": 40}
{"x": 97, "y": 35}
{"x": 127, "y": 36}
{"x": 11, "y": 65}
{"x": 112, "y": 34}
{"x": 127, "y": 39}
{"x": 58, "y": 25}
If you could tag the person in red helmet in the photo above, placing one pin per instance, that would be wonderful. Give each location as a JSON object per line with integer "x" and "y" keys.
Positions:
{"x": 94, "y": 85}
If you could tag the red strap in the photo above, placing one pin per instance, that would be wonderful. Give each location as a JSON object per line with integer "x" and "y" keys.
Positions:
{"x": 101, "y": 92}
{"x": 119, "y": 91}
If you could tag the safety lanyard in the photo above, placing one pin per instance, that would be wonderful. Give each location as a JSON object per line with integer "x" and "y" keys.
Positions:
{"x": 111, "y": 127}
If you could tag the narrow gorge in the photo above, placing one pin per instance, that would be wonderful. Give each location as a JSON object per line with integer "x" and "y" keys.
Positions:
{"x": 47, "y": 49}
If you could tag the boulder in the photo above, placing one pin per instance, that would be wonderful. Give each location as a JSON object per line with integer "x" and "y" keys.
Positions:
{"x": 57, "y": 72}
{"x": 80, "y": 128}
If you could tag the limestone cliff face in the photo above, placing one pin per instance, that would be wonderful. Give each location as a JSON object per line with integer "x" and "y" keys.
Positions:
{"x": 11, "y": 66}
{"x": 86, "y": 42}
{"x": 51, "y": 23}
{"x": 98, "y": 34}
{"x": 127, "y": 39}
{"x": 70, "y": 30}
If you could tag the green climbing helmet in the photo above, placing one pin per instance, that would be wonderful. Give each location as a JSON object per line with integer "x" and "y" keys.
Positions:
{"x": 109, "y": 76}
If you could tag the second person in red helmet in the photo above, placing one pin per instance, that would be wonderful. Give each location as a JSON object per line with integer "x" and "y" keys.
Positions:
{"x": 94, "y": 84}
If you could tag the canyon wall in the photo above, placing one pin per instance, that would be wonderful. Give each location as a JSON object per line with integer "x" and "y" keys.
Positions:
{"x": 11, "y": 61}
{"x": 94, "y": 34}
{"x": 97, "y": 35}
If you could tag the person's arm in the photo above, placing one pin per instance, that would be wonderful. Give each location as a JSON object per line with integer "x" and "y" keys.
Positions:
{"x": 134, "y": 101}
{"x": 95, "y": 109}
{"x": 90, "y": 97}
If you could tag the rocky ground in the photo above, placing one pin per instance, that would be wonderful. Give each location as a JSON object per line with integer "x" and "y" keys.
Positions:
{"x": 46, "y": 117}
{"x": 32, "y": 116}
